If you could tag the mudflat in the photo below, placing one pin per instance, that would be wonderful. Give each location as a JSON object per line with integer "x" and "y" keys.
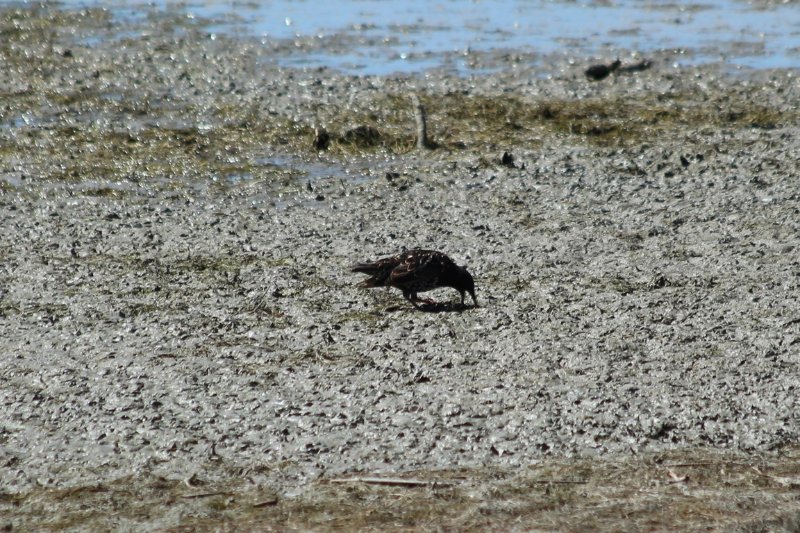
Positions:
{"x": 183, "y": 344}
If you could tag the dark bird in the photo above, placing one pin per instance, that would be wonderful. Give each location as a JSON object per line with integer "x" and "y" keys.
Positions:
{"x": 600, "y": 72}
{"x": 415, "y": 271}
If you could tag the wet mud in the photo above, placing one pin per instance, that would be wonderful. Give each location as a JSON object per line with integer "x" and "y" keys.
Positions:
{"x": 177, "y": 312}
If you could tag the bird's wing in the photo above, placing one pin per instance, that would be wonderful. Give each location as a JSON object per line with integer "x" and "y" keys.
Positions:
{"x": 417, "y": 268}
{"x": 384, "y": 264}
{"x": 379, "y": 271}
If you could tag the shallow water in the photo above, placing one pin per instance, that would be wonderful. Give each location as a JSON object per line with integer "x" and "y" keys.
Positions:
{"x": 415, "y": 35}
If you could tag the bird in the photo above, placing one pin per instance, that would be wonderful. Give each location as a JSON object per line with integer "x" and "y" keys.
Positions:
{"x": 599, "y": 72}
{"x": 415, "y": 271}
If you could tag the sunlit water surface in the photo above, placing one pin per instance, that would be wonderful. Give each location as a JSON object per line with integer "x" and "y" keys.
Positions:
{"x": 382, "y": 36}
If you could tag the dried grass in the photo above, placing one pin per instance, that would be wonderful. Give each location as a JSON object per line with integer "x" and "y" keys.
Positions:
{"x": 676, "y": 491}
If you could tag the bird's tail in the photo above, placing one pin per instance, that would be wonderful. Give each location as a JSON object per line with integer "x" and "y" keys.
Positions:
{"x": 374, "y": 270}
{"x": 371, "y": 282}
{"x": 366, "y": 268}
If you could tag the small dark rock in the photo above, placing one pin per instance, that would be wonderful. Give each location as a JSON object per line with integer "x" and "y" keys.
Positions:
{"x": 659, "y": 282}
{"x": 600, "y": 72}
{"x": 322, "y": 139}
{"x": 508, "y": 160}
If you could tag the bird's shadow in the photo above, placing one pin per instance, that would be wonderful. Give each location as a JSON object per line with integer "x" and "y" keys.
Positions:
{"x": 437, "y": 307}
{"x": 444, "y": 307}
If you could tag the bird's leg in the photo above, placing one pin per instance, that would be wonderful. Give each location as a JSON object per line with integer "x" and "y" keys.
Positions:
{"x": 414, "y": 299}
{"x": 411, "y": 297}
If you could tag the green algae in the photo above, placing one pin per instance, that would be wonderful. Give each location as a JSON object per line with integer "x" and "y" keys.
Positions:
{"x": 474, "y": 123}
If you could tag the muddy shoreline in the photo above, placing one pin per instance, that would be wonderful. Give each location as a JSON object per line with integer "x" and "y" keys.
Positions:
{"x": 174, "y": 292}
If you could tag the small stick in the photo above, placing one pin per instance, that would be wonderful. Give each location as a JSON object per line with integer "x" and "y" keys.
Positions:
{"x": 782, "y": 480}
{"x": 422, "y": 127}
{"x": 396, "y": 482}
{"x": 202, "y": 495}
{"x": 718, "y": 326}
{"x": 710, "y": 463}
{"x": 675, "y": 478}
{"x": 706, "y": 463}
{"x": 559, "y": 481}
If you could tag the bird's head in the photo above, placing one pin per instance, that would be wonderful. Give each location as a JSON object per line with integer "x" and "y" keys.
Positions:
{"x": 464, "y": 283}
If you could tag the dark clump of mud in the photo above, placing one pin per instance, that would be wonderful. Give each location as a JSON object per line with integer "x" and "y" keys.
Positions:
{"x": 182, "y": 343}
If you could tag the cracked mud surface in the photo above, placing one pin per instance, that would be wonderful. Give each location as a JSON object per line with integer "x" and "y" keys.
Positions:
{"x": 175, "y": 300}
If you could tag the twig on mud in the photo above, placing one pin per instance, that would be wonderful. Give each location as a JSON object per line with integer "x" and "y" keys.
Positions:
{"x": 718, "y": 326}
{"x": 422, "y": 127}
{"x": 202, "y": 495}
{"x": 675, "y": 478}
{"x": 396, "y": 482}
{"x": 793, "y": 482}
{"x": 559, "y": 481}
{"x": 706, "y": 463}
{"x": 193, "y": 481}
